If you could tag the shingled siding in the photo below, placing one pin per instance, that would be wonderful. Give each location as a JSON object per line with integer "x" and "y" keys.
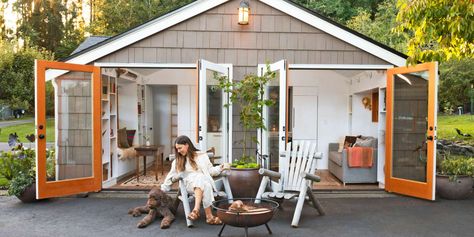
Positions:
{"x": 216, "y": 37}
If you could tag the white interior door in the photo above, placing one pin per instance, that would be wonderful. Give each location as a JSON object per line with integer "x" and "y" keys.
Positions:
{"x": 304, "y": 115}
{"x": 272, "y": 141}
{"x": 214, "y": 118}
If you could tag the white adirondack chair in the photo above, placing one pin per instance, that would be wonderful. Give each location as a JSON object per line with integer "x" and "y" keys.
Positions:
{"x": 185, "y": 197}
{"x": 297, "y": 174}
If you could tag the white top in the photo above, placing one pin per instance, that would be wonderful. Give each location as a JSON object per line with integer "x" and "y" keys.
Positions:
{"x": 204, "y": 166}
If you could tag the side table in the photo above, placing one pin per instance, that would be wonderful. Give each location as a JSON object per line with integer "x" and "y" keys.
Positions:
{"x": 149, "y": 151}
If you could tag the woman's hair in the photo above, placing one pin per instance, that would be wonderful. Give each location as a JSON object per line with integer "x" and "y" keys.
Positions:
{"x": 192, "y": 153}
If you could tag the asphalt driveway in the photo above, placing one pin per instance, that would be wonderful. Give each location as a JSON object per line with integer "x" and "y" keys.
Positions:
{"x": 389, "y": 216}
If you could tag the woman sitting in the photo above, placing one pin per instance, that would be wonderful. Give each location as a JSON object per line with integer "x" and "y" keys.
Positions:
{"x": 197, "y": 172}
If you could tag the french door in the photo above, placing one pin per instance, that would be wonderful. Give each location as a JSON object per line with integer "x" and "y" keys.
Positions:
{"x": 214, "y": 111}
{"x": 410, "y": 164}
{"x": 68, "y": 129}
{"x": 272, "y": 141}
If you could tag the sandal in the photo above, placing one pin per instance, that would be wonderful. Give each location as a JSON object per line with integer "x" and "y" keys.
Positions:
{"x": 194, "y": 215}
{"x": 213, "y": 220}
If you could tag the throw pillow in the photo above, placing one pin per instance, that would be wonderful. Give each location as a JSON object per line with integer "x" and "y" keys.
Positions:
{"x": 122, "y": 138}
{"x": 349, "y": 141}
{"x": 130, "y": 136}
{"x": 363, "y": 142}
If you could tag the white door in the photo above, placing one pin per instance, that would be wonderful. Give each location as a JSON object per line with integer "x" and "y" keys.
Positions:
{"x": 272, "y": 141}
{"x": 304, "y": 114}
{"x": 214, "y": 117}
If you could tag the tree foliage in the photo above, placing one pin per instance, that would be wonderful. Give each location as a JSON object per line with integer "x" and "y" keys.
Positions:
{"x": 455, "y": 84}
{"x": 380, "y": 26}
{"x": 341, "y": 10}
{"x": 111, "y": 17}
{"x": 54, "y": 25}
{"x": 442, "y": 29}
{"x": 17, "y": 74}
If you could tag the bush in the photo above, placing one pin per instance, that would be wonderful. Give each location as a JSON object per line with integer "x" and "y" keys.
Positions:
{"x": 18, "y": 167}
{"x": 20, "y": 183}
{"x": 457, "y": 166}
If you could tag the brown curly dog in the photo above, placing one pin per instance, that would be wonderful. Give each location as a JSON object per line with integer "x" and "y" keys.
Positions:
{"x": 159, "y": 204}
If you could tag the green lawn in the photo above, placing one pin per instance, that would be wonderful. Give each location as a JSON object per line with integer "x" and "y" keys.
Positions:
{"x": 26, "y": 129}
{"x": 447, "y": 125}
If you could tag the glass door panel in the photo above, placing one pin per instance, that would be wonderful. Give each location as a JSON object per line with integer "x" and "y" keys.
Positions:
{"x": 68, "y": 129}
{"x": 411, "y": 130}
{"x": 272, "y": 141}
{"x": 214, "y": 129}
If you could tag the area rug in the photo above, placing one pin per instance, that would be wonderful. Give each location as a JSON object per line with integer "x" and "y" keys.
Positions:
{"x": 145, "y": 180}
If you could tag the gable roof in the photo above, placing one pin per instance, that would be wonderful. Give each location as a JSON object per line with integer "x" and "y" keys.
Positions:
{"x": 303, "y": 14}
{"x": 89, "y": 42}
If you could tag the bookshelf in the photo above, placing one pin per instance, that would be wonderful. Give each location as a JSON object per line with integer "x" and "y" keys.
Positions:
{"x": 109, "y": 125}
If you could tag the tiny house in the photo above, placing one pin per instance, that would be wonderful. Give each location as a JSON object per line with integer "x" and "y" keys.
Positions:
{"x": 157, "y": 81}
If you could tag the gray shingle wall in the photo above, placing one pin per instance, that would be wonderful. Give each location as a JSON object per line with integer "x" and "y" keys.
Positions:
{"x": 216, "y": 36}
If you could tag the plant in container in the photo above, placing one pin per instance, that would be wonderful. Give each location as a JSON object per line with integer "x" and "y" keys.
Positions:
{"x": 455, "y": 177}
{"x": 249, "y": 94}
{"x": 19, "y": 168}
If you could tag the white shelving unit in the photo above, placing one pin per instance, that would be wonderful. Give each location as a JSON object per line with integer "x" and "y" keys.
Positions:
{"x": 109, "y": 126}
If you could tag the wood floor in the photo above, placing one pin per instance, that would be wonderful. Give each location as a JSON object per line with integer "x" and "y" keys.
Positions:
{"x": 328, "y": 182}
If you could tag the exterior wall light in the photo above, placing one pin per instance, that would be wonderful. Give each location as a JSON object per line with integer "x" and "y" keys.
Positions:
{"x": 244, "y": 12}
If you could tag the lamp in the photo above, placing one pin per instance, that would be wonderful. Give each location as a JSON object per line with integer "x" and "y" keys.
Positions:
{"x": 244, "y": 12}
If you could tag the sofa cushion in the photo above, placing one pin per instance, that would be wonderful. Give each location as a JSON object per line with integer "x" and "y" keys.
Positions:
{"x": 336, "y": 157}
{"x": 366, "y": 142}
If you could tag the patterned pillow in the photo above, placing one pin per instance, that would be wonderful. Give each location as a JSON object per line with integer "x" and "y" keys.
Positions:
{"x": 122, "y": 138}
{"x": 130, "y": 136}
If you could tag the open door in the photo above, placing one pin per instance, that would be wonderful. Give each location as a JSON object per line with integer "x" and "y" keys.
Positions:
{"x": 273, "y": 140}
{"x": 410, "y": 165}
{"x": 68, "y": 129}
{"x": 214, "y": 118}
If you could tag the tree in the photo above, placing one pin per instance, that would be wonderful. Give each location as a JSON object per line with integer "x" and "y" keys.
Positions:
{"x": 17, "y": 74}
{"x": 380, "y": 27}
{"x": 111, "y": 17}
{"x": 455, "y": 84}
{"x": 341, "y": 10}
{"x": 55, "y": 25}
{"x": 442, "y": 29}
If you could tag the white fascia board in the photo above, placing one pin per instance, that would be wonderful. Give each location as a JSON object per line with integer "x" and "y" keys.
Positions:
{"x": 337, "y": 32}
{"x": 147, "y": 65}
{"x": 340, "y": 66}
{"x": 142, "y": 32}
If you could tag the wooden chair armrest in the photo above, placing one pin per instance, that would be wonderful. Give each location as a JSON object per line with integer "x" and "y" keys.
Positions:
{"x": 224, "y": 173}
{"x": 269, "y": 173}
{"x": 311, "y": 177}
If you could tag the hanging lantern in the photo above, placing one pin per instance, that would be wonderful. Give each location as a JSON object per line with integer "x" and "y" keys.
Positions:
{"x": 244, "y": 13}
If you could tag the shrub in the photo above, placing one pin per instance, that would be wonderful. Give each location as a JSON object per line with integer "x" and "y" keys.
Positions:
{"x": 457, "y": 166}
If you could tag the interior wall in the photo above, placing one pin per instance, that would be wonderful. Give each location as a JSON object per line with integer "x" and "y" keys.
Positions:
{"x": 162, "y": 116}
{"x": 186, "y": 82}
{"x": 362, "y": 117}
{"x": 127, "y": 105}
{"x": 333, "y": 118}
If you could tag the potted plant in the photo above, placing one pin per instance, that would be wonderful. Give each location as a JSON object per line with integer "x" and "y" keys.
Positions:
{"x": 19, "y": 168}
{"x": 249, "y": 94}
{"x": 455, "y": 177}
